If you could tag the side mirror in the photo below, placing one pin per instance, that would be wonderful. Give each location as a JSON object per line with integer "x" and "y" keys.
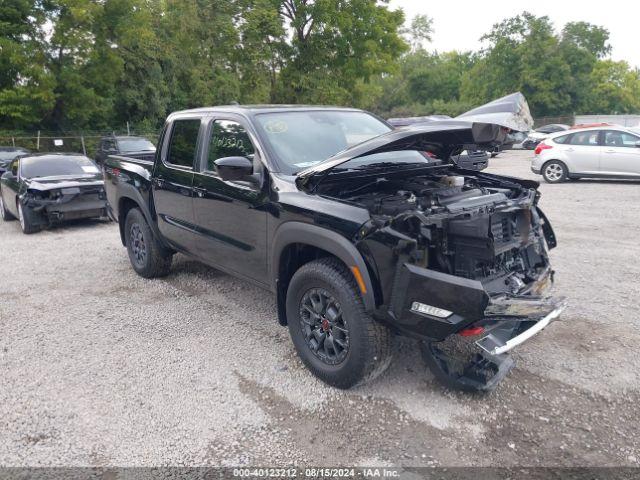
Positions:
{"x": 638, "y": 144}
{"x": 234, "y": 168}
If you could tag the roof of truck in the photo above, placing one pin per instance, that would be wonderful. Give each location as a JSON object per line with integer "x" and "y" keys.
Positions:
{"x": 244, "y": 109}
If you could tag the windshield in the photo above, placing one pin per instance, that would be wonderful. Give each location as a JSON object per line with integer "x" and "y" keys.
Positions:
{"x": 53, "y": 166}
{"x": 10, "y": 155}
{"x": 303, "y": 138}
{"x": 135, "y": 145}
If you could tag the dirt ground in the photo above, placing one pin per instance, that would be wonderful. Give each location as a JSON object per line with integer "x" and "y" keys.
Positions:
{"x": 99, "y": 367}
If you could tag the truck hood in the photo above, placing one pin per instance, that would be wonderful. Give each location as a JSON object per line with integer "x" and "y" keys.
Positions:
{"x": 510, "y": 111}
{"x": 441, "y": 138}
{"x": 483, "y": 127}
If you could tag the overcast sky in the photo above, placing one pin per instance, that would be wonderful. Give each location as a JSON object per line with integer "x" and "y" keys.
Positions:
{"x": 458, "y": 24}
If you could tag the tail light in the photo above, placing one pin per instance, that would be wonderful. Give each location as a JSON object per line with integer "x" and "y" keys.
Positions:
{"x": 541, "y": 146}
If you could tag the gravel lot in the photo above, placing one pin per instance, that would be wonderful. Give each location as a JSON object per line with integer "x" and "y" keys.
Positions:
{"x": 101, "y": 367}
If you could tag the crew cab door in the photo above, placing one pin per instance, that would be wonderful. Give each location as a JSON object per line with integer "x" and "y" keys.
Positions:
{"x": 620, "y": 153}
{"x": 172, "y": 183}
{"x": 230, "y": 215}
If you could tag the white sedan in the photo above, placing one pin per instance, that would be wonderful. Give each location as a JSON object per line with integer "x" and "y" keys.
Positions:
{"x": 598, "y": 152}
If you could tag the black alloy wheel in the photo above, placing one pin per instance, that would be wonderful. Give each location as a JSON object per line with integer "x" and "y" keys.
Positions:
{"x": 334, "y": 335}
{"x": 138, "y": 245}
{"x": 148, "y": 258}
{"x": 324, "y": 327}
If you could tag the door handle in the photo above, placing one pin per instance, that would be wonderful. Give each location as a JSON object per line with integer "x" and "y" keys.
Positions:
{"x": 200, "y": 192}
{"x": 569, "y": 149}
{"x": 610, "y": 151}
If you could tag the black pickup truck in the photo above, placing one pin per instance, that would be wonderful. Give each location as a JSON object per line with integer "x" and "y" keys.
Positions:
{"x": 361, "y": 232}
{"x": 131, "y": 146}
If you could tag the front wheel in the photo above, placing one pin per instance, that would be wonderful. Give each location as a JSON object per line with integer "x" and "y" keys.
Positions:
{"x": 4, "y": 213}
{"x": 555, "y": 172}
{"x": 27, "y": 224}
{"x": 147, "y": 256}
{"x": 338, "y": 341}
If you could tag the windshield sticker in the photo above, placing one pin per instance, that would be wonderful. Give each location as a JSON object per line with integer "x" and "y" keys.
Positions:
{"x": 90, "y": 169}
{"x": 276, "y": 126}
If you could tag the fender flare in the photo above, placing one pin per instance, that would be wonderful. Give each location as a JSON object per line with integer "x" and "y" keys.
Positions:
{"x": 129, "y": 192}
{"x": 334, "y": 243}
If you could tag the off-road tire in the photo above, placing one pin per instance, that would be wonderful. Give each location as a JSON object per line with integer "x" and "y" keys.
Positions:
{"x": 554, "y": 171}
{"x": 27, "y": 220}
{"x": 155, "y": 262}
{"x": 4, "y": 213}
{"x": 369, "y": 351}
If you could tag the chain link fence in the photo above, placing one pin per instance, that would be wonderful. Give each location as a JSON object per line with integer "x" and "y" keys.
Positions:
{"x": 86, "y": 143}
{"x": 564, "y": 119}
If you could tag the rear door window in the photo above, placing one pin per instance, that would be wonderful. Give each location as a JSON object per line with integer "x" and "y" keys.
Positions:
{"x": 585, "y": 139}
{"x": 183, "y": 144}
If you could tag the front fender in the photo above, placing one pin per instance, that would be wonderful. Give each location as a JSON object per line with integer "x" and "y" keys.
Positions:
{"x": 129, "y": 192}
{"x": 334, "y": 243}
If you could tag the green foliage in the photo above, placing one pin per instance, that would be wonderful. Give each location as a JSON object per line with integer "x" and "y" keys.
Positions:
{"x": 336, "y": 45}
{"x": 87, "y": 64}
{"x": 615, "y": 88}
{"x": 420, "y": 31}
{"x": 26, "y": 87}
{"x": 523, "y": 55}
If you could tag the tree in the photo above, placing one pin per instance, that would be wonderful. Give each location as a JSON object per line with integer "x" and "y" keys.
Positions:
{"x": 581, "y": 47}
{"x": 590, "y": 38}
{"x": 26, "y": 87}
{"x": 259, "y": 55}
{"x": 438, "y": 77}
{"x": 336, "y": 47}
{"x": 420, "y": 31}
{"x": 523, "y": 55}
{"x": 615, "y": 89}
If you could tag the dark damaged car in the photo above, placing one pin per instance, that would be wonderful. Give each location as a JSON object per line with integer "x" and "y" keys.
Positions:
{"x": 44, "y": 189}
{"x": 361, "y": 232}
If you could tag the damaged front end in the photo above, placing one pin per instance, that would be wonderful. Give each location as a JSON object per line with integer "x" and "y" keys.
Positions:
{"x": 460, "y": 257}
{"x": 71, "y": 202}
{"x": 463, "y": 262}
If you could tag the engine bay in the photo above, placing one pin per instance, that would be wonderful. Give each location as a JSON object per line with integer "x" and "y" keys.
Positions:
{"x": 426, "y": 194}
{"x": 468, "y": 225}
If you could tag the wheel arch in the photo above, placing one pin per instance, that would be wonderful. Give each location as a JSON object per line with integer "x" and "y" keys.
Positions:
{"x": 131, "y": 198}
{"x": 297, "y": 243}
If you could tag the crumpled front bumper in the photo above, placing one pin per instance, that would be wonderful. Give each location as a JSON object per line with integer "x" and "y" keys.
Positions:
{"x": 518, "y": 319}
{"x": 467, "y": 303}
{"x": 449, "y": 313}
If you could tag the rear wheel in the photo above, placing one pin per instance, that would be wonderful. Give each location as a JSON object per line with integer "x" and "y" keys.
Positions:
{"x": 147, "y": 256}
{"x": 555, "y": 171}
{"x": 4, "y": 213}
{"x": 27, "y": 224}
{"x": 334, "y": 336}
